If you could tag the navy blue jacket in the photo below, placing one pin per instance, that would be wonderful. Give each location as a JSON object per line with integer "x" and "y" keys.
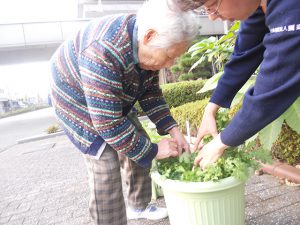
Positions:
{"x": 271, "y": 40}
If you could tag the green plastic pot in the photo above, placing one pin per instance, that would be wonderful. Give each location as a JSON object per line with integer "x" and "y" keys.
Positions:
{"x": 204, "y": 203}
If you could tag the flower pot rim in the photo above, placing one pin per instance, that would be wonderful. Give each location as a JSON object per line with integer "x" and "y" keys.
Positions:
{"x": 195, "y": 187}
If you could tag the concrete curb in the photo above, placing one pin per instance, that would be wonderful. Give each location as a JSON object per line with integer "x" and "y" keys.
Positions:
{"x": 283, "y": 170}
{"x": 59, "y": 133}
{"x": 39, "y": 137}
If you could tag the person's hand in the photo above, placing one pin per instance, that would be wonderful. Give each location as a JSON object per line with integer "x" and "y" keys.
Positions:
{"x": 182, "y": 144}
{"x": 210, "y": 152}
{"x": 208, "y": 125}
{"x": 167, "y": 148}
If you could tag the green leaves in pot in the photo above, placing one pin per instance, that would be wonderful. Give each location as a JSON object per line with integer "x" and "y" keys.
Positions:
{"x": 236, "y": 162}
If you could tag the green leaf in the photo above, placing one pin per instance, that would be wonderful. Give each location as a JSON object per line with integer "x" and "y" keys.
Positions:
{"x": 251, "y": 139}
{"x": 225, "y": 37}
{"x": 185, "y": 157}
{"x": 235, "y": 27}
{"x": 262, "y": 155}
{"x": 197, "y": 63}
{"x": 247, "y": 85}
{"x": 237, "y": 99}
{"x": 292, "y": 116}
{"x": 270, "y": 133}
{"x": 211, "y": 83}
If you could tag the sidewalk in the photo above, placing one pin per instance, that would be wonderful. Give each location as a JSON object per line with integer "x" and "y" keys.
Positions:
{"x": 45, "y": 182}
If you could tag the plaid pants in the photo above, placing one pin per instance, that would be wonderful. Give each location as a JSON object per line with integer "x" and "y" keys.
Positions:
{"x": 107, "y": 206}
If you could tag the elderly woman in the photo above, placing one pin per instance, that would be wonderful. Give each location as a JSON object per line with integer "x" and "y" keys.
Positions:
{"x": 97, "y": 77}
{"x": 269, "y": 37}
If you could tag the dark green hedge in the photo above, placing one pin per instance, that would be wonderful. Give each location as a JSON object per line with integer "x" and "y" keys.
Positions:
{"x": 180, "y": 93}
{"x": 177, "y": 94}
{"x": 191, "y": 112}
{"x": 287, "y": 146}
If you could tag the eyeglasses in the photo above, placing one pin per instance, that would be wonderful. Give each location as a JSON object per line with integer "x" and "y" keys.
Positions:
{"x": 194, "y": 5}
{"x": 214, "y": 12}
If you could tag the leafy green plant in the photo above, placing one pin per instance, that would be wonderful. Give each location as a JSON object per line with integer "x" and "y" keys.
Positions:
{"x": 185, "y": 62}
{"x": 235, "y": 162}
{"x": 270, "y": 133}
{"x": 287, "y": 144}
{"x": 217, "y": 51}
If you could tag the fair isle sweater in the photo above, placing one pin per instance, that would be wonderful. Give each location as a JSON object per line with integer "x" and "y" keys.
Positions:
{"x": 96, "y": 80}
{"x": 272, "y": 42}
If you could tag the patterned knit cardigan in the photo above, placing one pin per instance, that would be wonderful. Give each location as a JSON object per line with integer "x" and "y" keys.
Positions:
{"x": 95, "y": 83}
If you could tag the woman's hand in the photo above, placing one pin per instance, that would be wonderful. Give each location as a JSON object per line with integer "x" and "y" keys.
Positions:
{"x": 167, "y": 147}
{"x": 208, "y": 125}
{"x": 210, "y": 152}
{"x": 182, "y": 144}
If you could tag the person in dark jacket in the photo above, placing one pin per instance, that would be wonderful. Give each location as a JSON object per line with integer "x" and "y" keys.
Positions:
{"x": 269, "y": 37}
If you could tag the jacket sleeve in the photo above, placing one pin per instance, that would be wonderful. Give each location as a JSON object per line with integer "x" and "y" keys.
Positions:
{"x": 278, "y": 82}
{"x": 245, "y": 59}
{"x": 100, "y": 68}
{"x": 156, "y": 108}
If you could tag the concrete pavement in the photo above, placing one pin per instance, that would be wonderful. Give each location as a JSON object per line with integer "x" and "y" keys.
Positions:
{"x": 25, "y": 125}
{"x": 45, "y": 182}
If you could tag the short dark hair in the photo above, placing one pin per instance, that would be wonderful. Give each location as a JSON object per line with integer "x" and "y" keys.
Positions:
{"x": 187, "y": 4}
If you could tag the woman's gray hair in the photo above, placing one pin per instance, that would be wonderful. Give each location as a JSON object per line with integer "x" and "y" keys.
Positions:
{"x": 172, "y": 26}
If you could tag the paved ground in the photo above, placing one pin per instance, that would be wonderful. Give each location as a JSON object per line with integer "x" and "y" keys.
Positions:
{"x": 45, "y": 182}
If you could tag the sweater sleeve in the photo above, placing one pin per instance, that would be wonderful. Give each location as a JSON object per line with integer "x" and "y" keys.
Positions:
{"x": 245, "y": 59}
{"x": 100, "y": 68}
{"x": 278, "y": 82}
{"x": 154, "y": 105}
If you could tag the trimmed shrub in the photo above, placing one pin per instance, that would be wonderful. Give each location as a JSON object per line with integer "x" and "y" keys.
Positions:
{"x": 179, "y": 93}
{"x": 186, "y": 76}
{"x": 287, "y": 146}
{"x": 191, "y": 112}
{"x": 191, "y": 76}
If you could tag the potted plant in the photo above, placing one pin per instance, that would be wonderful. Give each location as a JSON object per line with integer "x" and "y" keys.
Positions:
{"x": 215, "y": 196}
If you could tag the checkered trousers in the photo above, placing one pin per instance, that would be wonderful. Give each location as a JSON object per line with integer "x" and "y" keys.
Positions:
{"x": 106, "y": 204}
